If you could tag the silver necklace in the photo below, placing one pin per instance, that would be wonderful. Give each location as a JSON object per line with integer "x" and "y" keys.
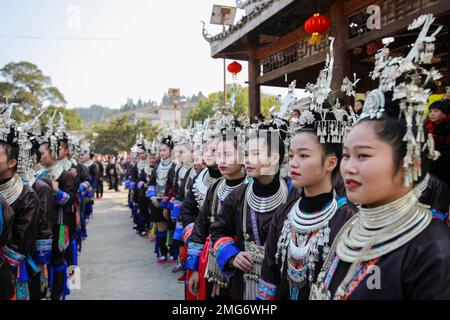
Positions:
{"x": 267, "y": 204}
{"x": 148, "y": 170}
{"x": 201, "y": 186}
{"x": 375, "y": 232}
{"x": 66, "y": 164}
{"x": 299, "y": 243}
{"x": 56, "y": 170}
{"x": 89, "y": 163}
{"x": 12, "y": 189}
{"x": 162, "y": 173}
{"x": 223, "y": 190}
{"x": 141, "y": 165}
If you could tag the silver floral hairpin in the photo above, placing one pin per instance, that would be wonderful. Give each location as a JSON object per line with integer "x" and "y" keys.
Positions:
{"x": 410, "y": 92}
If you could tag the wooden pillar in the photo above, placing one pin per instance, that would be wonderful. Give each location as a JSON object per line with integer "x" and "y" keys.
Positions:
{"x": 254, "y": 89}
{"x": 447, "y": 74}
{"x": 341, "y": 56}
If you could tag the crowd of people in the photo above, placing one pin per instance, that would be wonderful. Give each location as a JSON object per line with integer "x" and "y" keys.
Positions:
{"x": 320, "y": 204}
{"x": 47, "y": 185}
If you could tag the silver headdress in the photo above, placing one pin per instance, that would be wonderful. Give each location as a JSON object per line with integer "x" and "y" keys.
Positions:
{"x": 410, "y": 93}
{"x": 226, "y": 123}
{"x": 85, "y": 148}
{"x": 24, "y": 130}
{"x": 151, "y": 147}
{"x": 50, "y": 136}
{"x": 330, "y": 123}
{"x": 140, "y": 143}
{"x": 74, "y": 145}
{"x": 7, "y": 124}
{"x": 279, "y": 122}
{"x": 61, "y": 128}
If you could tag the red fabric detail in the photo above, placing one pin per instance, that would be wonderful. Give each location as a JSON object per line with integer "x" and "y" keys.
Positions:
{"x": 202, "y": 282}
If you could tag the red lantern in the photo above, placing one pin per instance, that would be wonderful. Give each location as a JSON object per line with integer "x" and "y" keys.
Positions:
{"x": 317, "y": 25}
{"x": 234, "y": 68}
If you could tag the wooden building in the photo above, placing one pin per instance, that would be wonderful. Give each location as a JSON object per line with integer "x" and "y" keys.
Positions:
{"x": 271, "y": 37}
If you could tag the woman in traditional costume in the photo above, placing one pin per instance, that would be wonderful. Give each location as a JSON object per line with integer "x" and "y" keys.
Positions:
{"x": 240, "y": 231}
{"x": 304, "y": 228}
{"x": 160, "y": 191}
{"x": 393, "y": 248}
{"x": 206, "y": 281}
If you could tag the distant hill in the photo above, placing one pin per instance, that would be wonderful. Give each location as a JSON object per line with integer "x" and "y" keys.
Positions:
{"x": 95, "y": 113}
{"x": 101, "y": 114}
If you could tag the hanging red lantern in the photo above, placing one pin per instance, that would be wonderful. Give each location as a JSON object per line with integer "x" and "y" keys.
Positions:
{"x": 234, "y": 68}
{"x": 316, "y": 25}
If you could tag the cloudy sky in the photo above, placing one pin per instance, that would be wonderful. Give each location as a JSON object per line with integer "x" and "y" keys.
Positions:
{"x": 103, "y": 51}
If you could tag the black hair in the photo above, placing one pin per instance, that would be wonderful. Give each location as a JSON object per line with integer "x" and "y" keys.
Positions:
{"x": 391, "y": 128}
{"x": 35, "y": 148}
{"x": 168, "y": 142}
{"x": 328, "y": 148}
{"x": 432, "y": 86}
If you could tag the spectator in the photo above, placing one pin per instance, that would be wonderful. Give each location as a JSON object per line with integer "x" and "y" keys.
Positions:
{"x": 101, "y": 172}
{"x": 358, "y": 106}
{"x": 439, "y": 126}
{"x": 295, "y": 114}
{"x": 434, "y": 96}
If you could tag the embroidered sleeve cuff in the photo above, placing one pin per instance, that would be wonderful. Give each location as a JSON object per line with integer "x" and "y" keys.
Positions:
{"x": 164, "y": 202}
{"x": 13, "y": 257}
{"x": 193, "y": 256}
{"x": 151, "y": 191}
{"x": 140, "y": 184}
{"x": 176, "y": 209}
{"x": 225, "y": 249}
{"x": 266, "y": 291}
{"x": 132, "y": 185}
{"x": 61, "y": 197}
{"x": 171, "y": 204}
{"x": 439, "y": 215}
{"x": 187, "y": 232}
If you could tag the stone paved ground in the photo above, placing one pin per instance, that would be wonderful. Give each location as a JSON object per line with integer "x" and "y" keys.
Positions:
{"x": 116, "y": 263}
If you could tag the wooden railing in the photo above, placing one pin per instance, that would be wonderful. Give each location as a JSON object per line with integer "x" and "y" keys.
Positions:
{"x": 298, "y": 51}
{"x": 391, "y": 11}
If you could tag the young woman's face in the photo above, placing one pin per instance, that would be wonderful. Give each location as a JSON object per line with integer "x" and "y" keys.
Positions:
{"x": 164, "y": 152}
{"x": 151, "y": 160}
{"x": 185, "y": 154}
{"x": 63, "y": 151}
{"x": 46, "y": 157}
{"x": 142, "y": 155}
{"x": 5, "y": 165}
{"x": 227, "y": 158}
{"x": 84, "y": 157}
{"x": 176, "y": 153}
{"x": 210, "y": 152}
{"x": 197, "y": 155}
{"x": 367, "y": 168}
{"x": 306, "y": 162}
{"x": 257, "y": 161}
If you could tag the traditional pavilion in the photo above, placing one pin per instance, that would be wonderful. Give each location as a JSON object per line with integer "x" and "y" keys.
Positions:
{"x": 272, "y": 38}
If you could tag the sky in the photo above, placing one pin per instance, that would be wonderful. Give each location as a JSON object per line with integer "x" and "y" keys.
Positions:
{"x": 103, "y": 51}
